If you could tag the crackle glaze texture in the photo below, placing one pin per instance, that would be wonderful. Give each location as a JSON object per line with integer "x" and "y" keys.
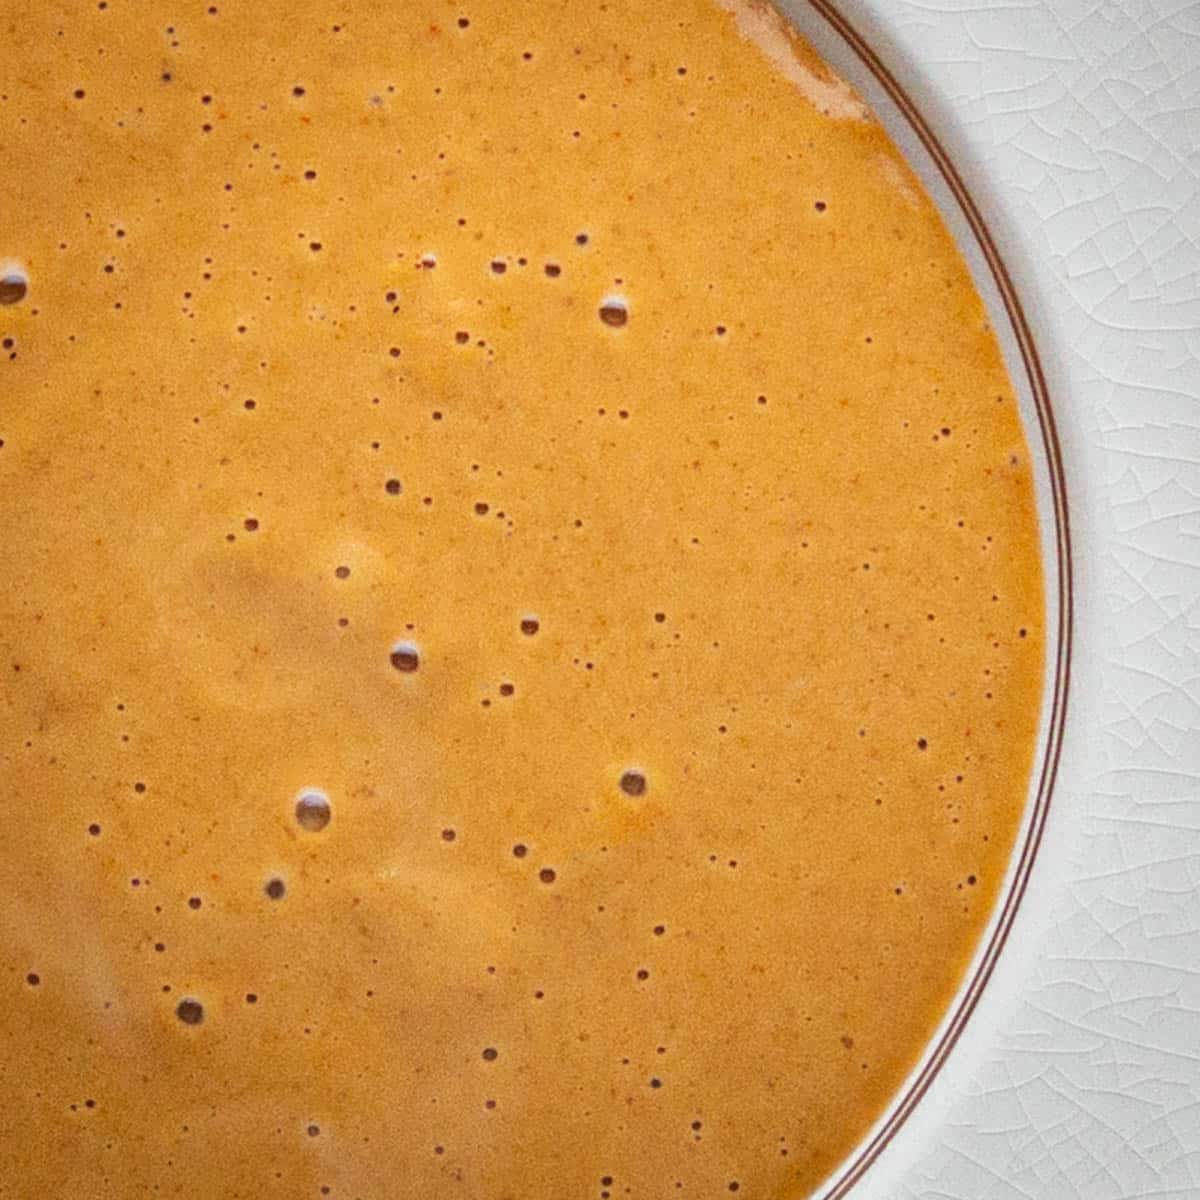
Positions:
{"x": 520, "y": 670}
{"x": 1077, "y": 125}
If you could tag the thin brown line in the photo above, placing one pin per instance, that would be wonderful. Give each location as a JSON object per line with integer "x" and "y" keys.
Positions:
{"x": 866, "y": 1156}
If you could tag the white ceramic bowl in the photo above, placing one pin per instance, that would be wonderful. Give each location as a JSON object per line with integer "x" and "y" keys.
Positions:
{"x": 1061, "y": 139}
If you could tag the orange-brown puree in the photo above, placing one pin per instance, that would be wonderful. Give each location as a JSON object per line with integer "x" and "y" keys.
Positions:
{"x": 776, "y": 528}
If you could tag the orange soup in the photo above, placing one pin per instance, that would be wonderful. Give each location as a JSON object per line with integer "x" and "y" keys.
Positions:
{"x": 523, "y": 625}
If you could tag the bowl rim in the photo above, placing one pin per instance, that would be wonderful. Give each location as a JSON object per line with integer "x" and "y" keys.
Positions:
{"x": 1057, "y": 559}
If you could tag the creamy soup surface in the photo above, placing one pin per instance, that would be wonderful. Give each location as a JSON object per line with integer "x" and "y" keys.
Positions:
{"x": 522, "y": 623}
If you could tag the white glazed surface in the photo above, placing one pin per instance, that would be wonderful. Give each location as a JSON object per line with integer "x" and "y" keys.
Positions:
{"x": 1076, "y": 124}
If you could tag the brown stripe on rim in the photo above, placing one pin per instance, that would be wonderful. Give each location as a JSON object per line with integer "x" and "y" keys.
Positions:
{"x": 859, "y": 1164}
